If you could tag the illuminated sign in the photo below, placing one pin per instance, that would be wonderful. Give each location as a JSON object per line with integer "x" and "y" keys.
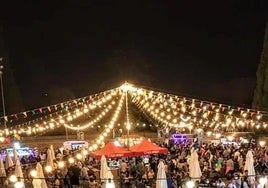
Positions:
{"x": 23, "y": 151}
{"x": 72, "y": 145}
{"x": 179, "y": 138}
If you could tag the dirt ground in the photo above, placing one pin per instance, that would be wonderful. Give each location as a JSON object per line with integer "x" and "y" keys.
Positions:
{"x": 42, "y": 142}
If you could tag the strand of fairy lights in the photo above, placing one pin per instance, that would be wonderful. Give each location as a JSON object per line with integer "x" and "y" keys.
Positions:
{"x": 64, "y": 107}
{"x": 53, "y": 122}
{"x": 78, "y": 113}
{"x": 244, "y": 112}
{"x": 184, "y": 108}
{"x": 92, "y": 122}
{"x": 174, "y": 120}
{"x": 208, "y": 103}
{"x": 92, "y": 106}
{"x": 106, "y": 132}
{"x": 171, "y": 109}
{"x": 73, "y": 115}
{"x": 52, "y": 108}
{"x": 21, "y": 130}
{"x": 149, "y": 109}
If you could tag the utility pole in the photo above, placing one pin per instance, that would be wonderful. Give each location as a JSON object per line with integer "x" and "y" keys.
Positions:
{"x": 2, "y": 92}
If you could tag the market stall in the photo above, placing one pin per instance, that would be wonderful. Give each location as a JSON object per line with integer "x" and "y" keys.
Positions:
{"x": 147, "y": 148}
{"x": 110, "y": 150}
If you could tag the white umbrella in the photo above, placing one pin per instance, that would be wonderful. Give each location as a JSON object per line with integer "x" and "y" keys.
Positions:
{"x": 2, "y": 168}
{"x": 104, "y": 168}
{"x": 18, "y": 171}
{"x": 52, "y": 152}
{"x": 83, "y": 153}
{"x": 105, "y": 173}
{"x": 161, "y": 180}
{"x": 109, "y": 180}
{"x": 9, "y": 162}
{"x": 16, "y": 156}
{"x": 39, "y": 181}
{"x": 249, "y": 166}
{"x": 50, "y": 158}
{"x": 194, "y": 167}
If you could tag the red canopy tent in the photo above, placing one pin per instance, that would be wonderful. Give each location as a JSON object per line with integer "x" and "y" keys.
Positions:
{"x": 147, "y": 148}
{"x": 110, "y": 150}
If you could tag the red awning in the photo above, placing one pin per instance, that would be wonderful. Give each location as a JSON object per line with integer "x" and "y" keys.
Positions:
{"x": 147, "y": 148}
{"x": 110, "y": 150}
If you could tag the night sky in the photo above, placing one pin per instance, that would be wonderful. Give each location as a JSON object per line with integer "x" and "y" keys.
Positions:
{"x": 58, "y": 50}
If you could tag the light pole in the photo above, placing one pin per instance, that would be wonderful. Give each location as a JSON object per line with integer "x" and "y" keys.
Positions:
{"x": 128, "y": 124}
{"x": 126, "y": 87}
{"x": 2, "y": 93}
{"x": 128, "y": 127}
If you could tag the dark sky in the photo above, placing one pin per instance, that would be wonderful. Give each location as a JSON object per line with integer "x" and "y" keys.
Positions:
{"x": 208, "y": 50}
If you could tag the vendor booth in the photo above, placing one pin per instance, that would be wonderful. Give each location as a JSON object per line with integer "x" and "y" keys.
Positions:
{"x": 110, "y": 150}
{"x": 147, "y": 148}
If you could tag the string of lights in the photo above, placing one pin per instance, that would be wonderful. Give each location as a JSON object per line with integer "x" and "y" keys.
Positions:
{"x": 91, "y": 123}
{"x": 166, "y": 109}
{"x": 58, "y": 120}
{"x": 99, "y": 140}
{"x": 173, "y": 111}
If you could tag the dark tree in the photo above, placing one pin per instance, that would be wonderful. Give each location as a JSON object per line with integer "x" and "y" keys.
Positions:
{"x": 260, "y": 99}
{"x": 12, "y": 96}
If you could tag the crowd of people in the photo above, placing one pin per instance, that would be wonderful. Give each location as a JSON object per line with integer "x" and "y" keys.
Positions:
{"x": 221, "y": 166}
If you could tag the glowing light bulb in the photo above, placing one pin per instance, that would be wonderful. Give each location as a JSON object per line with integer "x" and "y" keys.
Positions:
{"x": 48, "y": 168}
{"x": 13, "y": 178}
{"x": 190, "y": 184}
{"x": 19, "y": 184}
{"x": 61, "y": 164}
{"x": 71, "y": 160}
{"x": 33, "y": 173}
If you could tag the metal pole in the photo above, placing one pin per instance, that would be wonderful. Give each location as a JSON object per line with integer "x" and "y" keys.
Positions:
{"x": 127, "y": 138}
{"x": 128, "y": 124}
{"x": 2, "y": 93}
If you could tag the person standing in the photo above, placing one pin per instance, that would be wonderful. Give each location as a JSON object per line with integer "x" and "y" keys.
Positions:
{"x": 220, "y": 183}
{"x": 123, "y": 166}
{"x": 229, "y": 165}
{"x": 232, "y": 184}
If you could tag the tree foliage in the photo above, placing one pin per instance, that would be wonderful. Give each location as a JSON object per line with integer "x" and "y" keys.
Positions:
{"x": 260, "y": 99}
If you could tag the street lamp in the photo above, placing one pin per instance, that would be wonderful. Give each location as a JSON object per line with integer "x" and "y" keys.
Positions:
{"x": 190, "y": 184}
{"x": 19, "y": 184}
{"x": 262, "y": 143}
{"x": 109, "y": 183}
{"x": 2, "y": 92}
{"x": 33, "y": 173}
{"x": 13, "y": 178}
{"x": 263, "y": 181}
